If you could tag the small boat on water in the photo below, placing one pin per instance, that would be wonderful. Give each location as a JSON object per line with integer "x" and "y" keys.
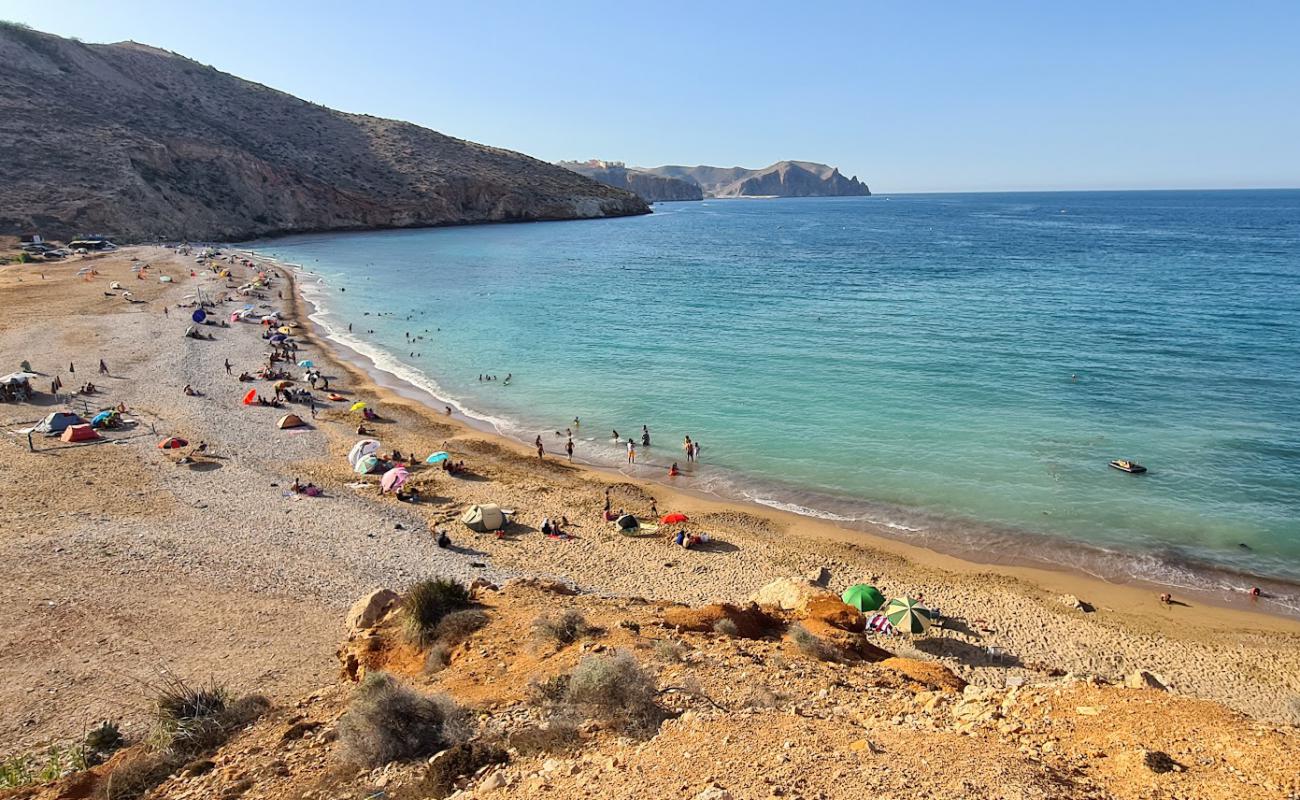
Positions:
{"x": 1124, "y": 465}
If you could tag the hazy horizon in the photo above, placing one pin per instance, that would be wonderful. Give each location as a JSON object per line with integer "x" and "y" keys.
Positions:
{"x": 1026, "y": 98}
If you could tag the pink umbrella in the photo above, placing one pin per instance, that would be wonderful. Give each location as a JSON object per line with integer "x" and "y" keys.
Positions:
{"x": 394, "y": 478}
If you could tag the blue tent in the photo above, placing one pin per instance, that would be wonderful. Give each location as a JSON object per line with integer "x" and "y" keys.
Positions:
{"x": 100, "y": 419}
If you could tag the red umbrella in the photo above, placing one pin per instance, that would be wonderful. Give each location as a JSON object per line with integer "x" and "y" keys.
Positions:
{"x": 174, "y": 443}
{"x": 674, "y": 518}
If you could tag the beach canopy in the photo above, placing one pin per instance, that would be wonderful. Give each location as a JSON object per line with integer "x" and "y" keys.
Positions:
{"x": 58, "y": 422}
{"x": 484, "y": 518}
{"x": 674, "y": 518}
{"x": 290, "y": 421}
{"x": 362, "y": 449}
{"x": 437, "y": 457}
{"x": 79, "y": 433}
{"x": 627, "y": 522}
{"x": 199, "y": 315}
{"x": 16, "y": 378}
{"x": 863, "y": 597}
{"x": 251, "y": 397}
{"x": 305, "y": 363}
{"x": 908, "y": 615}
{"x": 172, "y": 443}
{"x": 357, "y": 406}
{"x": 394, "y": 478}
{"x": 366, "y": 465}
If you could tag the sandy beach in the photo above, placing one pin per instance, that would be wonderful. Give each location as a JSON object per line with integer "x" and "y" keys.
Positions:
{"x": 124, "y": 564}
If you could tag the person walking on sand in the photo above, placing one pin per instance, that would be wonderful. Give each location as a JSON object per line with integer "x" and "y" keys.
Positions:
{"x": 631, "y": 451}
{"x": 103, "y": 368}
{"x": 541, "y": 449}
{"x": 72, "y": 368}
{"x": 166, "y": 313}
{"x": 228, "y": 366}
{"x": 568, "y": 448}
{"x": 689, "y": 447}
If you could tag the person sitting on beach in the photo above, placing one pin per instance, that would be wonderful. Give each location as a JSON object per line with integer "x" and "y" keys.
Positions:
{"x": 546, "y": 526}
{"x": 189, "y": 391}
{"x": 396, "y": 456}
{"x": 610, "y": 516}
{"x": 296, "y": 487}
{"x": 443, "y": 540}
{"x": 680, "y": 538}
{"x": 362, "y": 430}
{"x": 673, "y": 471}
{"x": 311, "y": 490}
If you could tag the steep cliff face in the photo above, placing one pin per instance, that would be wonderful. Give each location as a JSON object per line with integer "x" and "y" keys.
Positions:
{"x": 140, "y": 143}
{"x": 651, "y": 188}
{"x": 782, "y": 179}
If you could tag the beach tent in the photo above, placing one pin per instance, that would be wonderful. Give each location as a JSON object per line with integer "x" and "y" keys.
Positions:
{"x": 79, "y": 433}
{"x": 172, "y": 443}
{"x": 908, "y": 615}
{"x": 305, "y": 364}
{"x": 290, "y": 421}
{"x": 863, "y": 597}
{"x": 394, "y": 478}
{"x": 58, "y": 422}
{"x": 627, "y": 522}
{"x": 251, "y": 397}
{"x": 362, "y": 449}
{"x": 366, "y": 465}
{"x": 16, "y": 378}
{"x": 437, "y": 458}
{"x": 482, "y": 519}
{"x": 101, "y": 419}
{"x": 674, "y": 519}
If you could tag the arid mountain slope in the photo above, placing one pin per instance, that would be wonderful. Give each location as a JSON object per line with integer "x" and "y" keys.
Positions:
{"x": 782, "y": 179}
{"x": 651, "y": 188}
{"x": 138, "y": 143}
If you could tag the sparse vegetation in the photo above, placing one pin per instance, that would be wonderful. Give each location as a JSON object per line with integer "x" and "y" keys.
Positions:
{"x": 389, "y": 722}
{"x": 811, "y": 645}
{"x": 564, "y": 628}
{"x": 36, "y": 768}
{"x": 427, "y": 603}
{"x": 614, "y": 690}
{"x": 438, "y": 659}
{"x": 104, "y": 738}
{"x": 458, "y": 626}
{"x": 670, "y": 650}
{"x": 726, "y": 627}
{"x": 557, "y": 735}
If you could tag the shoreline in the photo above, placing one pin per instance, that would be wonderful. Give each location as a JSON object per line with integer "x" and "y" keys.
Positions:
{"x": 873, "y": 533}
{"x": 1064, "y": 580}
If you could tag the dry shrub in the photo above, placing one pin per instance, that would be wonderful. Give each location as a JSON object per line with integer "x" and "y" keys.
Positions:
{"x": 427, "y": 603}
{"x": 670, "y": 650}
{"x": 389, "y": 722}
{"x": 438, "y": 659}
{"x": 557, "y": 735}
{"x": 726, "y": 627}
{"x": 614, "y": 690}
{"x": 564, "y": 628}
{"x": 460, "y": 760}
{"x": 811, "y": 645}
{"x": 136, "y": 775}
{"x": 458, "y": 626}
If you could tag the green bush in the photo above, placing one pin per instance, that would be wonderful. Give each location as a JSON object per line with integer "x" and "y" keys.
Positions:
{"x": 389, "y": 722}
{"x": 45, "y": 767}
{"x": 425, "y": 605}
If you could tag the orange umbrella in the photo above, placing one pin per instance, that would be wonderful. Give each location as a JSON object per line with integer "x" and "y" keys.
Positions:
{"x": 674, "y": 518}
{"x": 251, "y": 397}
{"x": 174, "y": 443}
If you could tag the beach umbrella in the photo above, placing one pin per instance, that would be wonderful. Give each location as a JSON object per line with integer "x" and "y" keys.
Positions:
{"x": 908, "y": 615}
{"x": 674, "y": 518}
{"x": 437, "y": 457}
{"x": 172, "y": 443}
{"x": 357, "y": 406}
{"x": 305, "y": 363}
{"x": 199, "y": 315}
{"x": 863, "y": 597}
{"x": 251, "y": 397}
{"x": 394, "y": 478}
{"x": 365, "y": 465}
{"x": 362, "y": 449}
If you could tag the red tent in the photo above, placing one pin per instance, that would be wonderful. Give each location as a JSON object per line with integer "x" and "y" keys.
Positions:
{"x": 80, "y": 433}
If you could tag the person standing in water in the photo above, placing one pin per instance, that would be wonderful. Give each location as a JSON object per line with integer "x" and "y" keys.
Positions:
{"x": 541, "y": 449}
{"x": 568, "y": 448}
{"x": 576, "y": 423}
{"x": 695, "y": 451}
{"x": 645, "y": 436}
{"x": 631, "y": 451}
{"x": 689, "y": 447}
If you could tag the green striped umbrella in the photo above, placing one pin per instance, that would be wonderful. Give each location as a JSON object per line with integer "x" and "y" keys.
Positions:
{"x": 863, "y": 597}
{"x": 908, "y": 615}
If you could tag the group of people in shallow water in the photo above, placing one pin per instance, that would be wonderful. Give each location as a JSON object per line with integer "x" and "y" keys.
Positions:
{"x": 485, "y": 377}
{"x": 691, "y": 448}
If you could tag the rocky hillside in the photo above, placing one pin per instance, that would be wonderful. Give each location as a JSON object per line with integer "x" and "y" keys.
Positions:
{"x": 651, "y": 188}
{"x": 531, "y": 690}
{"x": 138, "y": 143}
{"x": 782, "y": 179}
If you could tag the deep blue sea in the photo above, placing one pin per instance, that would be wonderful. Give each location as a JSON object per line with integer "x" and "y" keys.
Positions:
{"x": 957, "y": 368}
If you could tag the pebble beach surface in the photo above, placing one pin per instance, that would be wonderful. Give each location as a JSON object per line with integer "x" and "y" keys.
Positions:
{"x": 126, "y": 565}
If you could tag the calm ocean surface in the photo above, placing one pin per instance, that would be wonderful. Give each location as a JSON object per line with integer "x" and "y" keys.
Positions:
{"x": 902, "y": 360}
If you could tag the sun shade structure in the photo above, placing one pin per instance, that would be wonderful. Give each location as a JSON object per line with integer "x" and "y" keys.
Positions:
{"x": 290, "y": 421}
{"x": 863, "y": 597}
{"x": 251, "y": 397}
{"x": 484, "y": 518}
{"x": 366, "y": 465}
{"x": 199, "y": 315}
{"x": 362, "y": 449}
{"x": 908, "y": 615}
{"x": 394, "y": 479}
{"x": 358, "y": 406}
{"x": 306, "y": 363}
{"x": 627, "y": 522}
{"x": 438, "y": 457}
{"x": 172, "y": 443}
{"x": 674, "y": 518}
{"x": 58, "y": 422}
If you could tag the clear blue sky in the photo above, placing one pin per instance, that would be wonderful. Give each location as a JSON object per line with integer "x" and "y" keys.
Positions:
{"x": 957, "y": 96}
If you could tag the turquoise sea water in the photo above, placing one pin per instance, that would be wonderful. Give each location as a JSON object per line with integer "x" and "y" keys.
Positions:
{"x": 904, "y": 361}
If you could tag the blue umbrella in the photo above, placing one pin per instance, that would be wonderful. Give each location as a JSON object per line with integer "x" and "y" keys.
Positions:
{"x": 279, "y": 337}
{"x": 101, "y": 418}
{"x": 199, "y": 315}
{"x": 437, "y": 457}
{"x": 305, "y": 364}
